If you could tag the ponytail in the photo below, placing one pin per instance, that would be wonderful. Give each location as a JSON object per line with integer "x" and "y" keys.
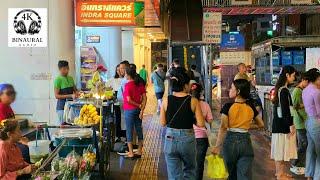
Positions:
{"x": 133, "y": 74}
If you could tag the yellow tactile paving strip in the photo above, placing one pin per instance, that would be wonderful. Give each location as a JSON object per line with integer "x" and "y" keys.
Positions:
{"x": 147, "y": 167}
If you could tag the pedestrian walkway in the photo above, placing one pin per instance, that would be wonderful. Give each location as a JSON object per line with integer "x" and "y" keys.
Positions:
{"x": 152, "y": 165}
{"x": 147, "y": 168}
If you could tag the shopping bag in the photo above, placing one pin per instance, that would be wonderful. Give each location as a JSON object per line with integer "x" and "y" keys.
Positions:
{"x": 216, "y": 167}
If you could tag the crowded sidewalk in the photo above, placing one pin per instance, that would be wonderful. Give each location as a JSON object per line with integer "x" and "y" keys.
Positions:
{"x": 153, "y": 166}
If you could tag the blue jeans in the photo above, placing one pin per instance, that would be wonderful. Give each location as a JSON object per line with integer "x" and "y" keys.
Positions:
{"x": 238, "y": 155}
{"x": 302, "y": 148}
{"x": 202, "y": 147}
{"x": 133, "y": 121}
{"x": 180, "y": 154}
{"x": 313, "y": 149}
{"x": 60, "y": 116}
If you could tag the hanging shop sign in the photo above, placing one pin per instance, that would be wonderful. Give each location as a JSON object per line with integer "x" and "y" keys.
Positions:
{"x": 93, "y": 39}
{"x": 109, "y": 13}
{"x": 233, "y": 11}
{"x": 232, "y": 42}
{"x": 27, "y": 27}
{"x": 211, "y": 27}
{"x": 301, "y": 2}
{"x": 241, "y": 2}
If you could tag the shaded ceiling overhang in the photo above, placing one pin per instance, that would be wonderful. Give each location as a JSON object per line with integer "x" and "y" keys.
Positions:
{"x": 292, "y": 41}
{"x": 181, "y": 20}
{"x": 232, "y": 11}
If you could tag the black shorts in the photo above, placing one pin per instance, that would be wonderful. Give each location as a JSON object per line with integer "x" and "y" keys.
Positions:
{"x": 159, "y": 95}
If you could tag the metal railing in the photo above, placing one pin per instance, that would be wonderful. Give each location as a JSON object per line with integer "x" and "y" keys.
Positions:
{"x": 228, "y": 3}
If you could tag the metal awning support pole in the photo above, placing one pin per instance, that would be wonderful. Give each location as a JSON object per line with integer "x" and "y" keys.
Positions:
{"x": 210, "y": 75}
{"x": 169, "y": 48}
{"x": 205, "y": 65}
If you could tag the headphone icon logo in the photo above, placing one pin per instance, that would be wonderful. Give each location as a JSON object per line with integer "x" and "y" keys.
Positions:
{"x": 24, "y": 17}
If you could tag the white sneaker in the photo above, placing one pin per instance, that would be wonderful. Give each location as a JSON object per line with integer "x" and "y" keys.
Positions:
{"x": 301, "y": 170}
{"x": 126, "y": 153}
{"x": 294, "y": 170}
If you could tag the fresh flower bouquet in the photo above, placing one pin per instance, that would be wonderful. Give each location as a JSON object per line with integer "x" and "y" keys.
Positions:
{"x": 87, "y": 163}
{"x": 72, "y": 166}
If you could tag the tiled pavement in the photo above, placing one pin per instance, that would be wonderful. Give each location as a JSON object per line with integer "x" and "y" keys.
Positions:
{"x": 152, "y": 165}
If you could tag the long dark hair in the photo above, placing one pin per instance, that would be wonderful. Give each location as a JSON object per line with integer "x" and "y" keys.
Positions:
{"x": 178, "y": 78}
{"x": 243, "y": 87}
{"x": 133, "y": 74}
{"x": 282, "y": 81}
{"x": 116, "y": 75}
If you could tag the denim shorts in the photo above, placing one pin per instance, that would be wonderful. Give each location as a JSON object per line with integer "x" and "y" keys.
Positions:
{"x": 133, "y": 122}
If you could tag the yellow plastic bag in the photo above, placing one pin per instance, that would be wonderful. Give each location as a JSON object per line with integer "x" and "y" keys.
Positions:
{"x": 216, "y": 167}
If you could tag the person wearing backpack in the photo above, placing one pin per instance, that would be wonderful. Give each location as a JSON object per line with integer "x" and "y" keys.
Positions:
{"x": 157, "y": 79}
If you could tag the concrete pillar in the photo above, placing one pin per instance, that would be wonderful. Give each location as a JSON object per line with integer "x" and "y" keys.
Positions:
{"x": 114, "y": 46}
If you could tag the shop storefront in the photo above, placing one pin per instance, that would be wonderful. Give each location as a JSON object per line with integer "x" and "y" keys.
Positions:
{"x": 104, "y": 34}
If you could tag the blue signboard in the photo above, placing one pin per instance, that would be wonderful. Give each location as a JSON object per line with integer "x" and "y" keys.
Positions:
{"x": 286, "y": 58}
{"x": 275, "y": 59}
{"x": 232, "y": 42}
{"x": 298, "y": 57}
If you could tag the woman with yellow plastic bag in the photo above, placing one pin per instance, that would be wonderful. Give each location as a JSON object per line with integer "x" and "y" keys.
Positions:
{"x": 216, "y": 168}
{"x": 233, "y": 135}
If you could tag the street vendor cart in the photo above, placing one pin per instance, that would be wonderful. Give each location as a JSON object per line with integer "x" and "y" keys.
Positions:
{"x": 86, "y": 137}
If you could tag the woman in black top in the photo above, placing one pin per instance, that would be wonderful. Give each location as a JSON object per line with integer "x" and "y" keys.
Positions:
{"x": 179, "y": 112}
{"x": 283, "y": 142}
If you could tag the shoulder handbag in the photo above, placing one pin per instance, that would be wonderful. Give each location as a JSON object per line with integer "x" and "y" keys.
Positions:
{"x": 279, "y": 110}
{"x": 160, "y": 76}
{"x": 175, "y": 114}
